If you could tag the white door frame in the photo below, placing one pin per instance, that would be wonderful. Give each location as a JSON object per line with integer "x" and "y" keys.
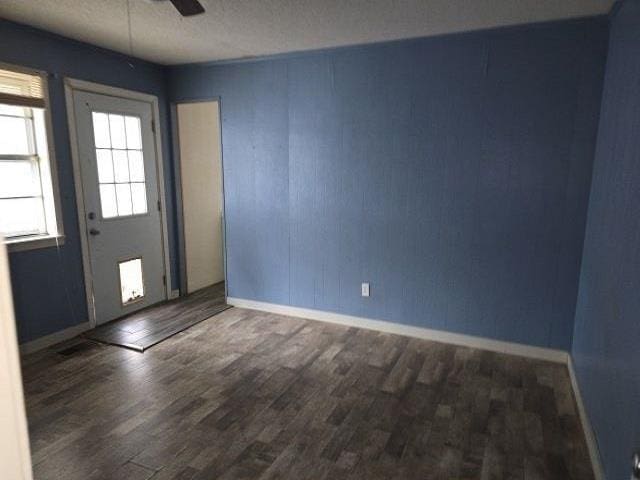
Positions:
{"x": 71, "y": 85}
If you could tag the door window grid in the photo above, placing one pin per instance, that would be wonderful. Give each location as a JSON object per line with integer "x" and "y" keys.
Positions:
{"x": 120, "y": 163}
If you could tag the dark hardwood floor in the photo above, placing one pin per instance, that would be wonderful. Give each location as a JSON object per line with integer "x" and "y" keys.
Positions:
{"x": 251, "y": 395}
{"x": 147, "y": 327}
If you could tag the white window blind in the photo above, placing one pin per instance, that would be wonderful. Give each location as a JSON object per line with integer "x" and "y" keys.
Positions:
{"x": 23, "y": 89}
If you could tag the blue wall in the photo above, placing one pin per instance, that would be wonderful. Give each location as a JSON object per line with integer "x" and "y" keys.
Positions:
{"x": 451, "y": 172}
{"x": 48, "y": 284}
{"x": 606, "y": 346}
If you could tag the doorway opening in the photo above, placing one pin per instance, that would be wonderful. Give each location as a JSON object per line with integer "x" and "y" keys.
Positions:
{"x": 198, "y": 150}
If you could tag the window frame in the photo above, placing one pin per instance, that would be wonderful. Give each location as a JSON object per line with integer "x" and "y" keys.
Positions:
{"x": 48, "y": 168}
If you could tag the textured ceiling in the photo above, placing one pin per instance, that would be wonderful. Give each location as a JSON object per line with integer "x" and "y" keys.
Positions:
{"x": 247, "y": 28}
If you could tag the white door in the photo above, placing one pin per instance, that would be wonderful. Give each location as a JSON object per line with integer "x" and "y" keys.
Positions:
{"x": 117, "y": 157}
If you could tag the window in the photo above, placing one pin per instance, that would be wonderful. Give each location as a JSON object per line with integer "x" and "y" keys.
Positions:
{"x": 27, "y": 204}
{"x": 118, "y": 144}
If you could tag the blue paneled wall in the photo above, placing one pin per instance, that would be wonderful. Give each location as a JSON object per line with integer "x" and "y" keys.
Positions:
{"x": 606, "y": 346}
{"x": 48, "y": 284}
{"x": 452, "y": 173}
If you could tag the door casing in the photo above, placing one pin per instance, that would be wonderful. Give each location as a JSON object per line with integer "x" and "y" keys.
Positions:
{"x": 71, "y": 85}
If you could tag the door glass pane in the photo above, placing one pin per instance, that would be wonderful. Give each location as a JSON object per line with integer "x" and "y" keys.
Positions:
{"x": 138, "y": 198}
{"x": 120, "y": 166}
{"x": 21, "y": 216}
{"x": 131, "y": 281}
{"x": 134, "y": 140}
{"x": 105, "y": 166}
{"x": 108, "y": 201}
{"x": 136, "y": 166}
{"x": 123, "y": 195}
{"x": 118, "y": 138}
{"x": 101, "y": 130}
{"x": 19, "y": 178}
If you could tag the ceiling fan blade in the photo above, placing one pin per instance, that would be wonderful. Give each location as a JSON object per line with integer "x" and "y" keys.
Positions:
{"x": 188, "y": 8}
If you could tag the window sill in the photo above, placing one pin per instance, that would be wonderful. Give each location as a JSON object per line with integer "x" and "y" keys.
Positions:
{"x": 33, "y": 243}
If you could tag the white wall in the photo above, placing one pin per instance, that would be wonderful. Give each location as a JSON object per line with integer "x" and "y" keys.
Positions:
{"x": 201, "y": 173}
{"x": 15, "y": 459}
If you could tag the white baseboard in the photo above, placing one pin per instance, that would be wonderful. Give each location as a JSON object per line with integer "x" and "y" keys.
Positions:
{"x": 57, "y": 337}
{"x": 540, "y": 353}
{"x": 174, "y": 294}
{"x": 589, "y": 434}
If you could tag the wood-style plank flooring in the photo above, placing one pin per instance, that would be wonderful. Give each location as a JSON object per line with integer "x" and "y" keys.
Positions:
{"x": 147, "y": 327}
{"x": 251, "y": 395}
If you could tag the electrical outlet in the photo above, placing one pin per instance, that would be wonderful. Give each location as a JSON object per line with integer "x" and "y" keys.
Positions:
{"x": 365, "y": 289}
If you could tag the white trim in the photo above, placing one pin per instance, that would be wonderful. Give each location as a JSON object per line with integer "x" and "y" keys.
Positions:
{"x": 224, "y": 203}
{"x": 71, "y": 85}
{"x": 34, "y": 243}
{"x": 57, "y": 337}
{"x": 52, "y": 163}
{"x": 540, "y": 353}
{"x": 82, "y": 223}
{"x": 92, "y": 87}
{"x": 589, "y": 434}
{"x": 14, "y": 435}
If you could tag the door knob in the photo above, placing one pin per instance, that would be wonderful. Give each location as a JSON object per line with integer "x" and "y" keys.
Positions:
{"x": 94, "y": 231}
{"x": 635, "y": 468}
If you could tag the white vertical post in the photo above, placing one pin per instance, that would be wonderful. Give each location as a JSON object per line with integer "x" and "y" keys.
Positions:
{"x": 15, "y": 457}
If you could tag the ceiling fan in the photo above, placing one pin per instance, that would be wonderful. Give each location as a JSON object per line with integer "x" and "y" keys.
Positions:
{"x": 187, "y": 8}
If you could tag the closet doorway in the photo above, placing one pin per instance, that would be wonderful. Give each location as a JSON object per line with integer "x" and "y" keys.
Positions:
{"x": 199, "y": 154}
